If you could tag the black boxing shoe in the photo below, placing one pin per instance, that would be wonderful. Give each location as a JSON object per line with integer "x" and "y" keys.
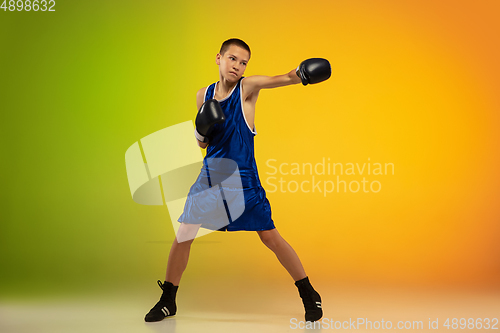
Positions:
{"x": 166, "y": 305}
{"x": 311, "y": 300}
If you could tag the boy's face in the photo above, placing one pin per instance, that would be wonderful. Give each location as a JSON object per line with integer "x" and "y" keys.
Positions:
{"x": 232, "y": 63}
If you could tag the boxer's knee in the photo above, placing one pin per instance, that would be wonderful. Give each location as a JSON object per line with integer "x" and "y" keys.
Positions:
{"x": 270, "y": 238}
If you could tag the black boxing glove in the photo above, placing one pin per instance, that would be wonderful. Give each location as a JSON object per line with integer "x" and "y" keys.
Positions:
{"x": 209, "y": 114}
{"x": 314, "y": 70}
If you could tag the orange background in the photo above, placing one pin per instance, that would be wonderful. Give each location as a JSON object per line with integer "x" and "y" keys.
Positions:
{"x": 414, "y": 83}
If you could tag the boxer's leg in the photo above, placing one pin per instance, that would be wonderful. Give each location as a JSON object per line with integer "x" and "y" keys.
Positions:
{"x": 179, "y": 252}
{"x": 284, "y": 252}
{"x": 177, "y": 262}
{"x": 289, "y": 259}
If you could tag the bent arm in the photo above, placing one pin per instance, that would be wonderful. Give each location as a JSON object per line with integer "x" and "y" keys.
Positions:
{"x": 202, "y": 144}
{"x": 199, "y": 102}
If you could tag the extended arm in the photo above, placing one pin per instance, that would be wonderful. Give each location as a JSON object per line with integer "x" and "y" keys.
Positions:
{"x": 310, "y": 71}
{"x": 258, "y": 82}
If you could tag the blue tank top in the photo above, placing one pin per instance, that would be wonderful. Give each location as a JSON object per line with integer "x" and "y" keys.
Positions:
{"x": 234, "y": 138}
{"x": 223, "y": 198}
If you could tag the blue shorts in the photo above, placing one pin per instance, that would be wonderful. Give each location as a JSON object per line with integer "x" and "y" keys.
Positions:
{"x": 212, "y": 209}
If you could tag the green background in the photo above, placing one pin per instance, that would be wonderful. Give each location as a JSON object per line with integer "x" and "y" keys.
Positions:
{"x": 79, "y": 86}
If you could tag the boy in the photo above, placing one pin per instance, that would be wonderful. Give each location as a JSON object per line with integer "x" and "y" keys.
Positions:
{"x": 225, "y": 127}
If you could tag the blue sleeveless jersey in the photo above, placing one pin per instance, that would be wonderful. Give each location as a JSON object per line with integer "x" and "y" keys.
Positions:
{"x": 232, "y": 140}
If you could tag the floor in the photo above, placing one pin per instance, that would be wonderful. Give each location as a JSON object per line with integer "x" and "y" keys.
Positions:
{"x": 240, "y": 311}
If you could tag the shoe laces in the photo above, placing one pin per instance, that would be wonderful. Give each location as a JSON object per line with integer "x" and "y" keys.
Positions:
{"x": 160, "y": 284}
{"x": 168, "y": 294}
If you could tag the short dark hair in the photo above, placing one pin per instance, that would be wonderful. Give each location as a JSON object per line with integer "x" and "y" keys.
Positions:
{"x": 234, "y": 41}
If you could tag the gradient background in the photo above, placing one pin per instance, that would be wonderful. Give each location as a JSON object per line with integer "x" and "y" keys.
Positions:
{"x": 414, "y": 83}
